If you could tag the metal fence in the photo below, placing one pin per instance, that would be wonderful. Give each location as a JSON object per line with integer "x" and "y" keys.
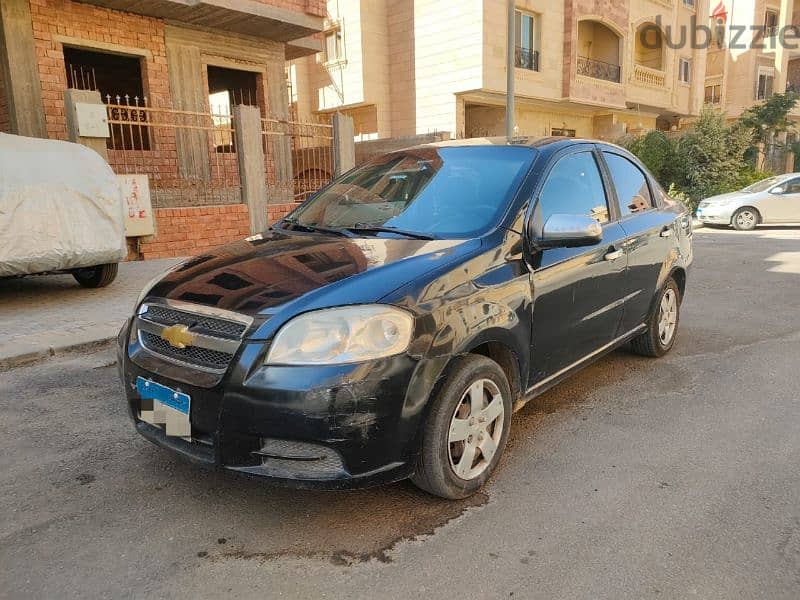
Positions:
{"x": 598, "y": 69}
{"x": 190, "y": 157}
{"x": 309, "y": 147}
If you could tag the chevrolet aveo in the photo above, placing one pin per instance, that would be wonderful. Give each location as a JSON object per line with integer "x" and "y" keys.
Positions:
{"x": 392, "y": 324}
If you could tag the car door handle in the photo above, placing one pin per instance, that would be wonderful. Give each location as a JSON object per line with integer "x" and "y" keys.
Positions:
{"x": 666, "y": 233}
{"x": 613, "y": 255}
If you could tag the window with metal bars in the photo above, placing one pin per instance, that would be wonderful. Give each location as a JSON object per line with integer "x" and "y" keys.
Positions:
{"x": 118, "y": 78}
{"x": 228, "y": 88}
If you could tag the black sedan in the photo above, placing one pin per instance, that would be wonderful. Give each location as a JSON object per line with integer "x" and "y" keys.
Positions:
{"x": 392, "y": 324}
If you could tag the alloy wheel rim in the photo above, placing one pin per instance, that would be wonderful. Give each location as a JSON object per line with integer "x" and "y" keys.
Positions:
{"x": 667, "y": 317}
{"x": 745, "y": 219}
{"x": 476, "y": 429}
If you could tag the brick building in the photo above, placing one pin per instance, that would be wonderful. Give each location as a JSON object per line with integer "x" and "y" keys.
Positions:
{"x": 171, "y": 73}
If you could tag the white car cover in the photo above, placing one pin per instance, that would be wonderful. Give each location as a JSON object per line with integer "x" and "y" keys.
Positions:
{"x": 61, "y": 207}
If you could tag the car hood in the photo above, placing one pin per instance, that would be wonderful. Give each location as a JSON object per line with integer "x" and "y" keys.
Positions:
{"x": 267, "y": 272}
{"x": 729, "y": 196}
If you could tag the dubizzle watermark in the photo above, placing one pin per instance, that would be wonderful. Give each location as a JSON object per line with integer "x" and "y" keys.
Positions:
{"x": 698, "y": 36}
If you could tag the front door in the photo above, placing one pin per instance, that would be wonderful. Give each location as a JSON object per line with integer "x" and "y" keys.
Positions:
{"x": 577, "y": 292}
{"x": 785, "y": 207}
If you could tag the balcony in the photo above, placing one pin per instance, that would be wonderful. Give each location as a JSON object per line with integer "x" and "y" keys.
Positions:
{"x": 648, "y": 77}
{"x": 599, "y": 51}
{"x": 525, "y": 58}
{"x": 589, "y": 67}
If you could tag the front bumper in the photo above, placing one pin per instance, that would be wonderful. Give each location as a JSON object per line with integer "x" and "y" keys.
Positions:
{"x": 324, "y": 427}
{"x": 715, "y": 215}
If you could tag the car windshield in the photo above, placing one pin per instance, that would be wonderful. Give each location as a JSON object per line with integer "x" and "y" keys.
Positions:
{"x": 456, "y": 192}
{"x": 763, "y": 185}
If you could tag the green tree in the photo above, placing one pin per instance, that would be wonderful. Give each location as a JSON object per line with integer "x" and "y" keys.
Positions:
{"x": 658, "y": 153}
{"x": 711, "y": 156}
{"x": 769, "y": 117}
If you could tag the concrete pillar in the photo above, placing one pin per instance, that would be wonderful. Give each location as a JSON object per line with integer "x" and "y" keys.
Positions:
{"x": 279, "y": 146}
{"x": 344, "y": 147}
{"x": 186, "y": 85}
{"x": 73, "y": 97}
{"x": 20, "y": 70}
{"x": 250, "y": 154}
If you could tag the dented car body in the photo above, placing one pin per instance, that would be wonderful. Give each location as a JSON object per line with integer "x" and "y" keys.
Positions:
{"x": 500, "y": 264}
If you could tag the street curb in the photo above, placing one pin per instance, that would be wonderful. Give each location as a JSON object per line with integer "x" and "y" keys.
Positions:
{"x": 27, "y": 359}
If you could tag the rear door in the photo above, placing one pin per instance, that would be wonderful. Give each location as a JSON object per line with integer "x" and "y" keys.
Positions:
{"x": 576, "y": 292}
{"x": 650, "y": 236}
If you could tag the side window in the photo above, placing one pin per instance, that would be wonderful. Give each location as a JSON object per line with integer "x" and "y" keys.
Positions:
{"x": 792, "y": 186}
{"x": 574, "y": 187}
{"x": 631, "y": 184}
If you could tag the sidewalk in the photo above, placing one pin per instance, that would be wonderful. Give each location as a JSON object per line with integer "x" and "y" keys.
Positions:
{"x": 48, "y": 315}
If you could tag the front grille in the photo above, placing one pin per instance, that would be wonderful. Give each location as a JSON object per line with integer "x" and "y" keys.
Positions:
{"x": 202, "y": 357}
{"x": 211, "y": 336}
{"x": 170, "y": 316}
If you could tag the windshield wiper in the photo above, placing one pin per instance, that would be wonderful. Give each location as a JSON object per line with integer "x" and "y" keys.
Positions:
{"x": 316, "y": 228}
{"x": 365, "y": 228}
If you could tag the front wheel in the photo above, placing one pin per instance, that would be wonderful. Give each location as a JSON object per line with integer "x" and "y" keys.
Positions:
{"x": 96, "y": 277}
{"x": 466, "y": 430}
{"x": 745, "y": 219}
{"x": 662, "y": 324}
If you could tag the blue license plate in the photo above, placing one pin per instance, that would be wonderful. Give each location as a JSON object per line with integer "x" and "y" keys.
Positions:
{"x": 150, "y": 390}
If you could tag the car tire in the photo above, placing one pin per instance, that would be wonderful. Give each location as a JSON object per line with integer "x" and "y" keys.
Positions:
{"x": 96, "y": 277}
{"x": 659, "y": 339}
{"x": 452, "y": 463}
{"x": 746, "y": 219}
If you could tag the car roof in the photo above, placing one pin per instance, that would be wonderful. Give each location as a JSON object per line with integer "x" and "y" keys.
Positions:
{"x": 542, "y": 143}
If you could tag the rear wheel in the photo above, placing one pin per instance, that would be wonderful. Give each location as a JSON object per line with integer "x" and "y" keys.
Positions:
{"x": 467, "y": 429}
{"x": 745, "y": 219}
{"x": 96, "y": 277}
{"x": 662, "y": 324}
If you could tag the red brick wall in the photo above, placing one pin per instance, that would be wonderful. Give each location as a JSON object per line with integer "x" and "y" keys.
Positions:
{"x": 276, "y": 212}
{"x": 64, "y": 17}
{"x": 190, "y": 231}
{"x": 180, "y": 231}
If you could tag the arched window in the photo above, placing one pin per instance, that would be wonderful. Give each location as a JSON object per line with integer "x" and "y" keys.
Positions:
{"x": 598, "y": 51}
{"x": 649, "y": 47}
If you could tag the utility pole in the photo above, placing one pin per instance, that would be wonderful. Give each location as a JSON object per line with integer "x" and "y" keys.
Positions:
{"x": 511, "y": 43}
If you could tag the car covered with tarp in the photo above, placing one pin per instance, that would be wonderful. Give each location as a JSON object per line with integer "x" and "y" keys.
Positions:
{"x": 61, "y": 211}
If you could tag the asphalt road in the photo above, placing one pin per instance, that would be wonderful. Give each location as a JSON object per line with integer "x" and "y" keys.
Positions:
{"x": 670, "y": 478}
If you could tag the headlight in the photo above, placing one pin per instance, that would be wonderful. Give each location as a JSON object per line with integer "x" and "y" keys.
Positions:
{"x": 342, "y": 335}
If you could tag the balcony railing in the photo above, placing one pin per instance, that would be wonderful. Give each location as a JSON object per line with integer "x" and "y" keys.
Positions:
{"x": 598, "y": 69}
{"x": 648, "y": 76}
{"x": 525, "y": 58}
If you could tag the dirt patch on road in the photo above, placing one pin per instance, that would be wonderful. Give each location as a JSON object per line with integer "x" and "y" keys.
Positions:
{"x": 355, "y": 527}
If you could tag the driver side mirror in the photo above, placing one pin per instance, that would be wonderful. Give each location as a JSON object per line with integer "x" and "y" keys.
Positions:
{"x": 570, "y": 231}
{"x": 778, "y": 190}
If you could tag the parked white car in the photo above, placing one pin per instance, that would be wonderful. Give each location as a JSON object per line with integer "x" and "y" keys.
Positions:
{"x": 61, "y": 211}
{"x": 775, "y": 200}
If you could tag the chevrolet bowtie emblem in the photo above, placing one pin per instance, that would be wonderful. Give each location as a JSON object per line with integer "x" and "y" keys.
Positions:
{"x": 177, "y": 336}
